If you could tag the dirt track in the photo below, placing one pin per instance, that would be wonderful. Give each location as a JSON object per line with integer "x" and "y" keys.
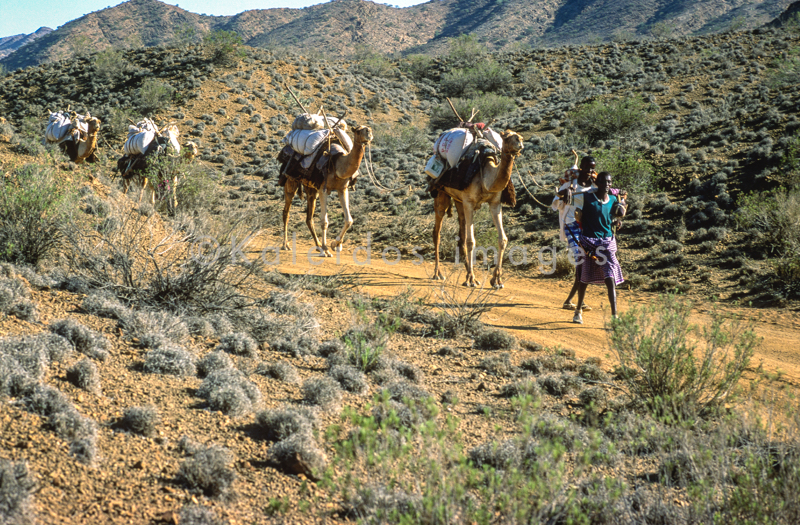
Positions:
{"x": 530, "y": 304}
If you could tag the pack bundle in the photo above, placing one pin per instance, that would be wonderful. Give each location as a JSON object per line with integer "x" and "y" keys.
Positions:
{"x": 313, "y": 122}
{"x": 64, "y": 126}
{"x": 308, "y": 141}
{"x": 140, "y": 135}
{"x": 453, "y": 143}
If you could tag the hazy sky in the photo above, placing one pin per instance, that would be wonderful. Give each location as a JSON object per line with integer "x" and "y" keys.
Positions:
{"x": 26, "y": 16}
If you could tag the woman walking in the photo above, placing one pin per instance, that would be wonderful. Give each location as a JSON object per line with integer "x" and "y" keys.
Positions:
{"x": 597, "y": 212}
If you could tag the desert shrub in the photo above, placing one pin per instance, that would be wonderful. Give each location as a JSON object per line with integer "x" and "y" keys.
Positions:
{"x": 280, "y": 370}
{"x": 498, "y": 365}
{"x": 140, "y": 420}
{"x": 483, "y": 76}
{"x": 495, "y": 340}
{"x": 331, "y": 347}
{"x": 154, "y": 95}
{"x": 85, "y": 340}
{"x": 17, "y": 487}
{"x": 490, "y": 105}
{"x": 84, "y": 374}
{"x": 372, "y": 63}
{"x": 209, "y": 471}
{"x": 15, "y": 299}
{"x": 525, "y": 387}
{"x": 230, "y": 392}
{"x": 503, "y": 455}
{"x": 170, "y": 360}
{"x": 238, "y": 344}
{"x": 280, "y": 424}
{"x": 621, "y": 118}
{"x": 110, "y": 65}
{"x": 416, "y": 66}
{"x": 559, "y": 384}
{"x": 399, "y": 137}
{"x": 407, "y": 371}
{"x": 35, "y": 206}
{"x": 223, "y": 47}
{"x": 404, "y": 391}
{"x": 212, "y": 362}
{"x": 559, "y": 430}
{"x": 84, "y": 449}
{"x": 322, "y": 391}
{"x": 466, "y": 48}
{"x": 364, "y": 346}
{"x": 592, "y": 372}
{"x": 198, "y": 515}
{"x": 628, "y": 169}
{"x": 678, "y": 376}
{"x": 299, "y": 454}
{"x": 350, "y": 378}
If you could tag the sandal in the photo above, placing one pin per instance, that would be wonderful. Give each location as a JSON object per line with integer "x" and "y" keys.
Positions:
{"x": 568, "y": 306}
{"x": 586, "y": 308}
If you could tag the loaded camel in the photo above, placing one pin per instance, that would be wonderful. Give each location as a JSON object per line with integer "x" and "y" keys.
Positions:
{"x": 84, "y": 148}
{"x": 151, "y": 164}
{"x": 338, "y": 175}
{"x": 486, "y": 187}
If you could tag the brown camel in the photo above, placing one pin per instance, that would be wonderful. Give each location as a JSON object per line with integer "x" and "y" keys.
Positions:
{"x": 83, "y": 149}
{"x": 339, "y": 175}
{"x": 487, "y": 187}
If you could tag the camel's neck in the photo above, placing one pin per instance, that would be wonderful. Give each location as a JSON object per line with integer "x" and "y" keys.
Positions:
{"x": 89, "y": 144}
{"x": 496, "y": 177}
{"x": 347, "y": 164}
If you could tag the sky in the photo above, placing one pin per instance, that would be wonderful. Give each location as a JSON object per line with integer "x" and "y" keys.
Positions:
{"x": 26, "y": 16}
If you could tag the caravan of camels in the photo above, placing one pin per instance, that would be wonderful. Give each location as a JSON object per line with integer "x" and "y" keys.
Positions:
{"x": 471, "y": 166}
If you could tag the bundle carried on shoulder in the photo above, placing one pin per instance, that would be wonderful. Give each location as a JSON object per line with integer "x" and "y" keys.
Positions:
{"x": 140, "y": 136}
{"x": 62, "y": 126}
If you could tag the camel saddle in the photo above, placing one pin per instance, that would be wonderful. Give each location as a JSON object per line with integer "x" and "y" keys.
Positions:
{"x": 471, "y": 163}
{"x": 309, "y": 169}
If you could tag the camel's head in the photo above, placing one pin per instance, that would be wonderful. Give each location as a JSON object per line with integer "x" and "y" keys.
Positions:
{"x": 362, "y": 134}
{"x": 512, "y": 143}
{"x": 189, "y": 150}
{"x": 171, "y": 132}
{"x": 94, "y": 124}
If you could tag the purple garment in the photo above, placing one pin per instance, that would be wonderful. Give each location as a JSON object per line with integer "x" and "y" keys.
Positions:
{"x": 606, "y": 264}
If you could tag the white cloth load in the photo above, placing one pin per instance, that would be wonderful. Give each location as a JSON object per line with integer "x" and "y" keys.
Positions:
{"x": 309, "y": 121}
{"x": 452, "y": 144}
{"x": 139, "y": 137}
{"x": 60, "y": 125}
{"x": 306, "y": 142}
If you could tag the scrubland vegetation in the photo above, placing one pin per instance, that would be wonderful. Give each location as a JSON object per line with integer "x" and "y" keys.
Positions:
{"x": 703, "y": 134}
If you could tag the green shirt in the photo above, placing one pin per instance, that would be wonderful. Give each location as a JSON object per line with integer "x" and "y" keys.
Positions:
{"x": 596, "y": 220}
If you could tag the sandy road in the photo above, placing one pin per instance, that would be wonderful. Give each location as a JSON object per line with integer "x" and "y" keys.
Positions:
{"x": 530, "y": 305}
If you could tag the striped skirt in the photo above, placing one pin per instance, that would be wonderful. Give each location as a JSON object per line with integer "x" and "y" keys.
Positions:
{"x": 573, "y": 233}
{"x": 606, "y": 265}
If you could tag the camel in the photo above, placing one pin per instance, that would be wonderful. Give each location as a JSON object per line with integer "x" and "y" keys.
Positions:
{"x": 340, "y": 174}
{"x": 485, "y": 188}
{"x": 83, "y": 149}
{"x": 137, "y": 166}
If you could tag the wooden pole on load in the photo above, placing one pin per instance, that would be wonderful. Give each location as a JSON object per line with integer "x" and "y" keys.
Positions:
{"x": 295, "y": 97}
{"x": 454, "y": 110}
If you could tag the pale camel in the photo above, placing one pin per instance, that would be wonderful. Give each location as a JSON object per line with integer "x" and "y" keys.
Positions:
{"x": 83, "y": 149}
{"x": 485, "y": 188}
{"x": 137, "y": 167}
{"x": 339, "y": 176}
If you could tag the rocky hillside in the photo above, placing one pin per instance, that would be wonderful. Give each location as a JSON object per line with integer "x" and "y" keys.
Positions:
{"x": 336, "y": 28}
{"x": 9, "y": 44}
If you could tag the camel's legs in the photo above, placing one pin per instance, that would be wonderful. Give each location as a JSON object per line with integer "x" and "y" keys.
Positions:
{"x": 502, "y": 241}
{"x": 311, "y": 195}
{"x": 344, "y": 200}
{"x": 440, "y": 205}
{"x": 289, "y": 190}
{"x": 175, "y": 192}
{"x": 323, "y": 222}
{"x": 467, "y": 214}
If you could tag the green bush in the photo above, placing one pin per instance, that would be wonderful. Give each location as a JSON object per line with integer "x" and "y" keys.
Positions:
{"x": 614, "y": 119}
{"x": 786, "y": 71}
{"x": 485, "y": 76}
{"x": 681, "y": 369}
{"x": 372, "y": 63}
{"x": 466, "y": 48}
{"x": 110, "y": 65}
{"x": 629, "y": 170}
{"x": 154, "y": 95}
{"x": 34, "y": 208}
{"x": 491, "y": 106}
{"x": 398, "y": 137}
{"x": 416, "y": 66}
{"x": 223, "y": 47}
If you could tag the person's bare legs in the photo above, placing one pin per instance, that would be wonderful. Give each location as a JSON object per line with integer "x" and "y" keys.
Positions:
{"x": 612, "y": 295}
{"x": 578, "y": 317}
{"x": 575, "y": 284}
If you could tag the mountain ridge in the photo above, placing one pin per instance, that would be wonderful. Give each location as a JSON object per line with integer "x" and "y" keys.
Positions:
{"x": 338, "y": 27}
